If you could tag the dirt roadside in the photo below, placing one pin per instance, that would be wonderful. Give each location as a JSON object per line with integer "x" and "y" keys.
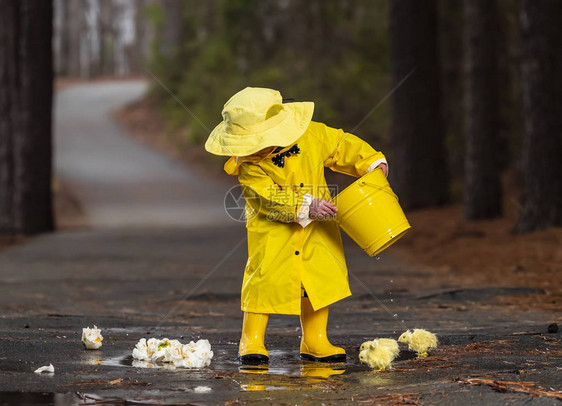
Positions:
{"x": 67, "y": 211}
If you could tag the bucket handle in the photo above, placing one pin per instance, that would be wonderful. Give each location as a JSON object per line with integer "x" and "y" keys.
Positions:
{"x": 385, "y": 189}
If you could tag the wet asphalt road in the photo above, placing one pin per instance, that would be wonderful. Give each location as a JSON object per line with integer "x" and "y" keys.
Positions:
{"x": 135, "y": 273}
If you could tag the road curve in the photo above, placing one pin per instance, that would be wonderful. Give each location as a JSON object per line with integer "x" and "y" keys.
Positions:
{"x": 119, "y": 181}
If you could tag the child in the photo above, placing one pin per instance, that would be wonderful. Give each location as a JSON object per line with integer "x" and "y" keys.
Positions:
{"x": 296, "y": 263}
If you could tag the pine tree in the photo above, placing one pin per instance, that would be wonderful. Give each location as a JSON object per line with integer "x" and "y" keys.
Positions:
{"x": 483, "y": 193}
{"x": 26, "y": 86}
{"x": 541, "y": 23}
{"x": 419, "y": 168}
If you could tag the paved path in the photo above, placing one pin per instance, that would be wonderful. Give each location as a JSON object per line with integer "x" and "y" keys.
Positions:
{"x": 137, "y": 274}
{"x": 120, "y": 182}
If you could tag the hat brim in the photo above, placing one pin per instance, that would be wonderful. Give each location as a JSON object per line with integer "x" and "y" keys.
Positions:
{"x": 285, "y": 133}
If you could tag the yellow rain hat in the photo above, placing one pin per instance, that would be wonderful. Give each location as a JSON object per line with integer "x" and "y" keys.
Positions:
{"x": 256, "y": 118}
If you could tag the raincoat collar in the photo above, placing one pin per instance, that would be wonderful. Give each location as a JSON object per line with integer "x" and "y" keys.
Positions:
{"x": 232, "y": 166}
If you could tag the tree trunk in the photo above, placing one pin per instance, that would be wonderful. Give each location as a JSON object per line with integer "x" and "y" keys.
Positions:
{"x": 75, "y": 11}
{"x": 541, "y": 23}
{"x": 137, "y": 58}
{"x": 419, "y": 170}
{"x": 483, "y": 193}
{"x": 61, "y": 38}
{"x": 172, "y": 35}
{"x": 8, "y": 71}
{"x": 452, "y": 83}
{"x": 107, "y": 35}
{"x": 26, "y": 81}
{"x": 91, "y": 40}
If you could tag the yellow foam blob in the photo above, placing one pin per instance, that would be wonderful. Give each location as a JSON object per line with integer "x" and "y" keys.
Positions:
{"x": 419, "y": 340}
{"x": 379, "y": 353}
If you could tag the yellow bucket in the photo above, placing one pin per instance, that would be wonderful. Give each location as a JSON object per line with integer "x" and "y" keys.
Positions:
{"x": 368, "y": 211}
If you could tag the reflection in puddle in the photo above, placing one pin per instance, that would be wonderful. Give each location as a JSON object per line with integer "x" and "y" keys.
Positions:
{"x": 202, "y": 389}
{"x": 119, "y": 361}
{"x": 153, "y": 365}
{"x": 303, "y": 368}
{"x": 254, "y": 369}
{"x": 129, "y": 361}
{"x": 35, "y": 398}
{"x": 315, "y": 369}
{"x": 265, "y": 378}
{"x": 405, "y": 355}
{"x": 92, "y": 357}
{"x": 253, "y": 388}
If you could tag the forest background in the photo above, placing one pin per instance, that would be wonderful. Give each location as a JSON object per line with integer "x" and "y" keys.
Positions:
{"x": 462, "y": 96}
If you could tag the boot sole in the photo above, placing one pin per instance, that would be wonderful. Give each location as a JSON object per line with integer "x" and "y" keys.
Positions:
{"x": 253, "y": 359}
{"x": 330, "y": 358}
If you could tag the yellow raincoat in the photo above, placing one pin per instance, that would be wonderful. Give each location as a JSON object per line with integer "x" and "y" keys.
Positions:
{"x": 282, "y": 254}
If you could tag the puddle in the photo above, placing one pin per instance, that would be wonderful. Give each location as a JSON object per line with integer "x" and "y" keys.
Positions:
{"x": 254, "y": 387}
{"x": 285, "y": 371}
{"x": 405, "y": 355}
{"x": 286, "y": 363}
{"x": 119, "y": 361}
{"x": 303, "y": 368}
{"x": 129, "y": 361}
{"x": 304, "y": 375}
{"x": 38, "y": 398}
{"x": 202, "y": 389}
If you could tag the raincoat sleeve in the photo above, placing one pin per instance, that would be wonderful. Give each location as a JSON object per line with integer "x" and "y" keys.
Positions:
{"x": 277, "y": 202}
{"x": 349, "y": 154}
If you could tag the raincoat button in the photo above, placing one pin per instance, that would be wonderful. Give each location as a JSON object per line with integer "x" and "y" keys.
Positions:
{"x": 302, "y": 184}
{"x": 297, "y": 253}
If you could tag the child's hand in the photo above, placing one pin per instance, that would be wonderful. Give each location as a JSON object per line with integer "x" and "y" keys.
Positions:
{"x": 384, "y": 168}
{"x": 320, "y": 208}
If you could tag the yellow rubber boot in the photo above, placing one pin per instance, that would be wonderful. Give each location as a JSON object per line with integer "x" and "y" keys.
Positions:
{"x": 252, "y": 349}
{"x": 315, "y": 345}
